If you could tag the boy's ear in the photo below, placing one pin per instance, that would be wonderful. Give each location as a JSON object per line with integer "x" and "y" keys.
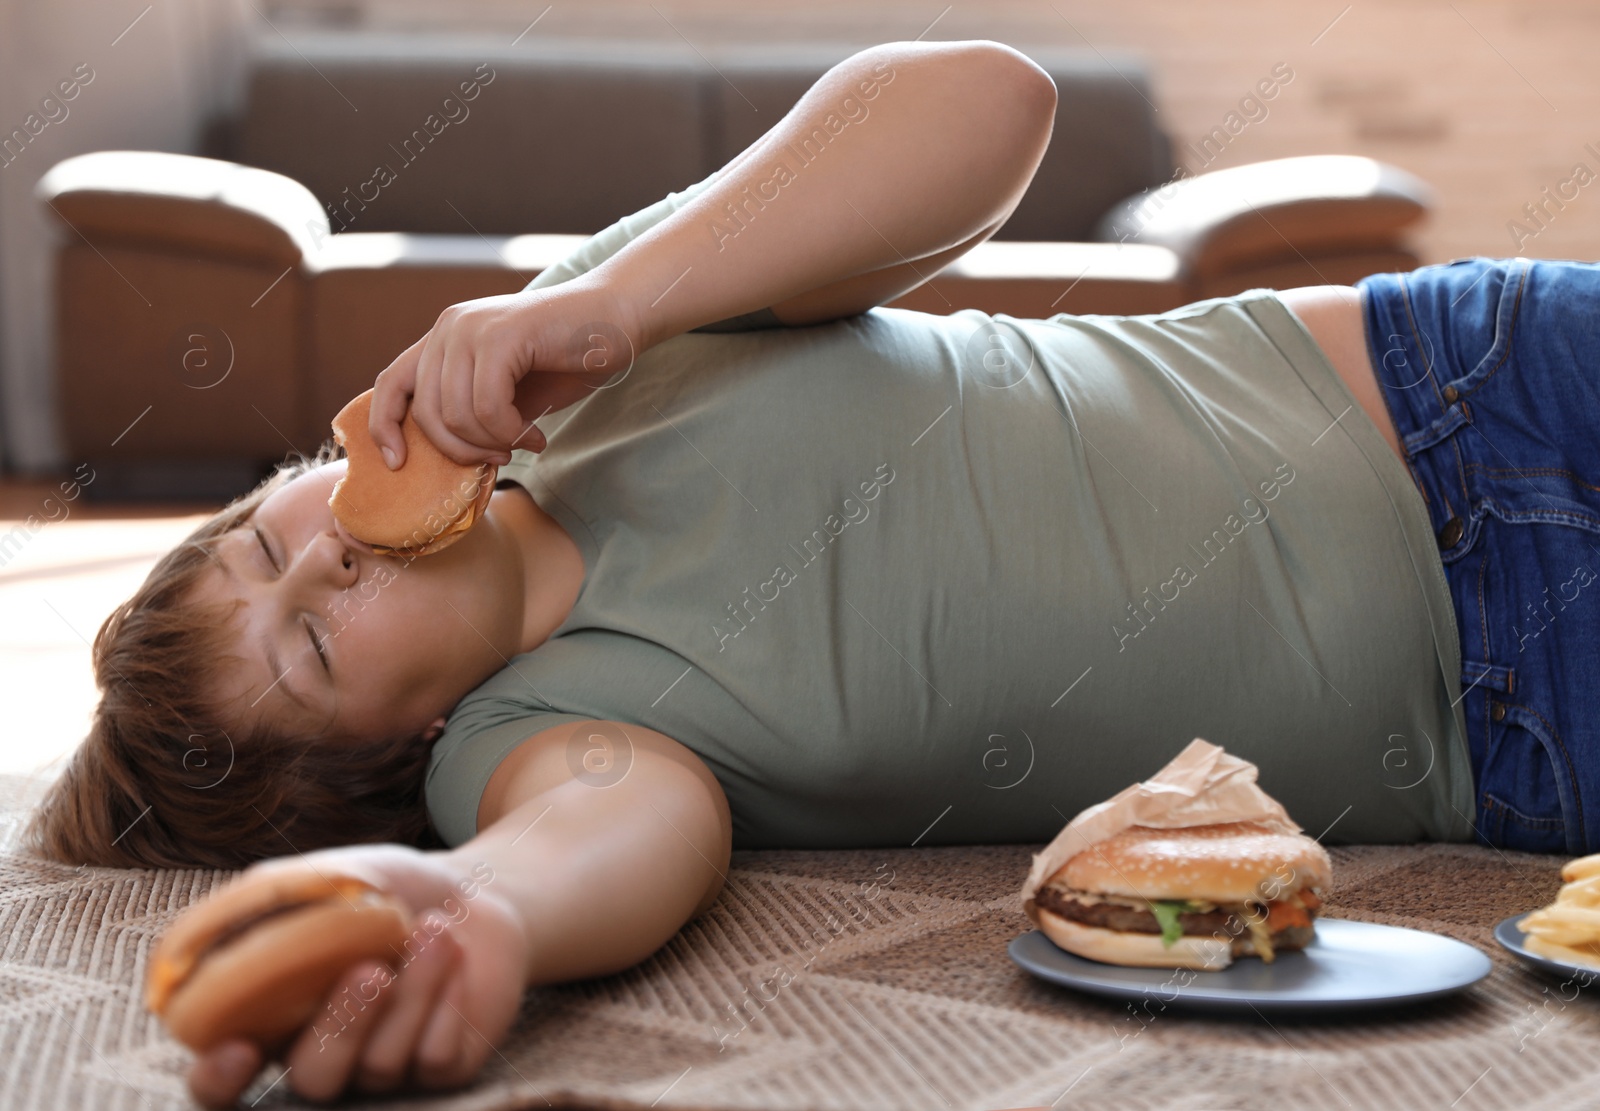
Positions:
{"x": 435, "y": 727}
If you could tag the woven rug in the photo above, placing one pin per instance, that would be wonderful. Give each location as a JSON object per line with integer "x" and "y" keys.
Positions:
{"x": 873, "y": 979}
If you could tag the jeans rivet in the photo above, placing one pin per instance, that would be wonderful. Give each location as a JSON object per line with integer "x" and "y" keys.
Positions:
{"x": 1450, "y": 534}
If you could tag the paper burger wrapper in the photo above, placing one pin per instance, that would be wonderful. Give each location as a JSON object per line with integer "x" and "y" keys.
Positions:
{"x": 1202, "y": 785}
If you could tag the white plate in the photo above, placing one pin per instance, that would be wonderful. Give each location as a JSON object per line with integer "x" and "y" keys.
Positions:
{"x": 1349, "y": 964}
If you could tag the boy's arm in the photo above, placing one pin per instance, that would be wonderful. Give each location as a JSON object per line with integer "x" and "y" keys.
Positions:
{"x": 894, "y": 162}
{"x": 795, "y": 138}
{"x": 899, "y": 153}
{"x": 603, "y": 866}
{"x": 573, "y": 873}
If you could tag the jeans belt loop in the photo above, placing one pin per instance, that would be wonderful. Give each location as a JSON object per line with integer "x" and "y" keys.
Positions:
{"x": 1493, "y": 676}
{"x": 1452, "y": 418}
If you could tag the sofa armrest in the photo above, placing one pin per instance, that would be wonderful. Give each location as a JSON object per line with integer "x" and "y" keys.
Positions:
{"x": 178, "y": 202}
{"x": 1247, "y": 215}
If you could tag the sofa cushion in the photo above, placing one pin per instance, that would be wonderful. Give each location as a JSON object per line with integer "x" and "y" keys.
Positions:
{"x": 569, "y": 137}
{"x": 166, "y": 356}
{"x": 464, "y": 135}
{"x": 373, "y": 294}
{"x": 1028, "y": 279}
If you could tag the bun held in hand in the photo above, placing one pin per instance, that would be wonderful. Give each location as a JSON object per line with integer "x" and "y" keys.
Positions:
{"x": 259, "y": 959}
{"x": 422, "y": 508}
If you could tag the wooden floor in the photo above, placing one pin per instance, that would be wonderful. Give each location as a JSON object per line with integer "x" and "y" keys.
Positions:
{"x": 60, "y": 575}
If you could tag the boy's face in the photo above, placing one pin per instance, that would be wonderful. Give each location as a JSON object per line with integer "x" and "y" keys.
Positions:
{"x": 403, "y": 640}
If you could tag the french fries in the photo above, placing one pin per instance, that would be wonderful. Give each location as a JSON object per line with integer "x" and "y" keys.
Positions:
{"x": 1581, "y": 868}
{"x": 1569, "y": 928}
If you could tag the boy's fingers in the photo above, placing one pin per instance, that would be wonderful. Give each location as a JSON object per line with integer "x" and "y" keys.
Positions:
{"x": 325, "y": 1054}
{"x": 427, "y": 407}
{"x": 465, "y": 377}
{"x": 494, "y": 394}
{"x": 439, "y": 1049}
{"x": 219, "y": 1075}
{"x": 456, "y": 414}
{"x": 532, "y": 439}
{"x": 475, "y": 1050}
{"x": 391, "y": 396}
{"x": 388, "y": 1052}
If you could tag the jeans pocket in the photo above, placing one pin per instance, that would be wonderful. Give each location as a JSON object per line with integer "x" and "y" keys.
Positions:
{"x": 1513, "y": 279}
{"x": 1528, "y": 795}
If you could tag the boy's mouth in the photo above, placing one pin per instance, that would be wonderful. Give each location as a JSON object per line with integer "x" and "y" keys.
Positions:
{"x": 350, "y": 541}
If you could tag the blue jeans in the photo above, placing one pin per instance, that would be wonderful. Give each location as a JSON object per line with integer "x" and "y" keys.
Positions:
{"x": 1491, "y": 372}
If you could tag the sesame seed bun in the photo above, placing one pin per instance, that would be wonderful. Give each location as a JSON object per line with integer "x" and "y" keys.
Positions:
{"x": 1230, "y": 862}
{"x": 258, "y": 959}
{"x": 422, "y": 508}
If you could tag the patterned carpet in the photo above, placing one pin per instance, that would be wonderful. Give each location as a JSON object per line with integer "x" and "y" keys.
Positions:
{"x": 872, "y": 979}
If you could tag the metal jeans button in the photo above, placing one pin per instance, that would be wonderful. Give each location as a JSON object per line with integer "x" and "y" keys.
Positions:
{"x": 1499, "y": 711}
{"x": 1450, "y": 394}
{"x": 1450, "y": 535}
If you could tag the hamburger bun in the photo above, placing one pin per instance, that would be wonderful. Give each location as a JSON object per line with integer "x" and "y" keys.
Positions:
{"x": 1141, "y": 950}
{"x": 1223, "y": 863}
{"x": 422, "y": 508}
{"x": 258, "y": 959}
{"x": 1134, "y": 949}
{"x": 1229, "y": 889}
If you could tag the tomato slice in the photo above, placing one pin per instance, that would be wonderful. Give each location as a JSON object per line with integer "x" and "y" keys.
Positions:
{"x": 1283, "y": 915}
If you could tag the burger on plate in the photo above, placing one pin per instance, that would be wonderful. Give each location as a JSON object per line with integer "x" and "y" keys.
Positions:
{"x": 1189, "y": 897}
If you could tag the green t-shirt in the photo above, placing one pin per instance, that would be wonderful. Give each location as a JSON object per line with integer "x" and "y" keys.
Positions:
{"x": 905, "y": 578}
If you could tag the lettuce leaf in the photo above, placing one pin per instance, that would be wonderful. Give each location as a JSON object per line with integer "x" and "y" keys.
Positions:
{"x": 1166, "y": 912}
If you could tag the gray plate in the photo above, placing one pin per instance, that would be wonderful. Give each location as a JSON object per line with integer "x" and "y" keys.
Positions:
{"x": 1507, "y": 934}
{"x": 1350, "y": 964}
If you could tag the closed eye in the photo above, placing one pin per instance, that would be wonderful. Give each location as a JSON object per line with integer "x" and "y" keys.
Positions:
{"x": 317, "y": 644}
{"x": 261, "y": 537}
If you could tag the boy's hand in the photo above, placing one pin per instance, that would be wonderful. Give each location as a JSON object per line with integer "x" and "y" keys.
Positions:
{"x": 489, "y": 368}
{"x": 431, "y": 1022}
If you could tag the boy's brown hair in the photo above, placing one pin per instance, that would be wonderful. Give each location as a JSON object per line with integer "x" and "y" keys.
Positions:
{"x": 159, "y": 782}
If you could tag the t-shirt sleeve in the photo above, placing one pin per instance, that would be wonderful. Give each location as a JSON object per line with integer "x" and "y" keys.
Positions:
{"x": 603, "y": 244}
{"x": 464, "y": 758}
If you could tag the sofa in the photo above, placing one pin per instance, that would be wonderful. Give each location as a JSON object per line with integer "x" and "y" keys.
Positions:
{"x": 215, "y": 311}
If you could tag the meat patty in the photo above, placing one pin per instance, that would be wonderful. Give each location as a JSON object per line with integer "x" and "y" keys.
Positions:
{"x": 1228, "y": 923}
{"x": 1118, "y": 916}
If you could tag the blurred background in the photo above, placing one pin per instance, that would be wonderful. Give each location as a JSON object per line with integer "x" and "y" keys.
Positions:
{"x": 170, "y": 328}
